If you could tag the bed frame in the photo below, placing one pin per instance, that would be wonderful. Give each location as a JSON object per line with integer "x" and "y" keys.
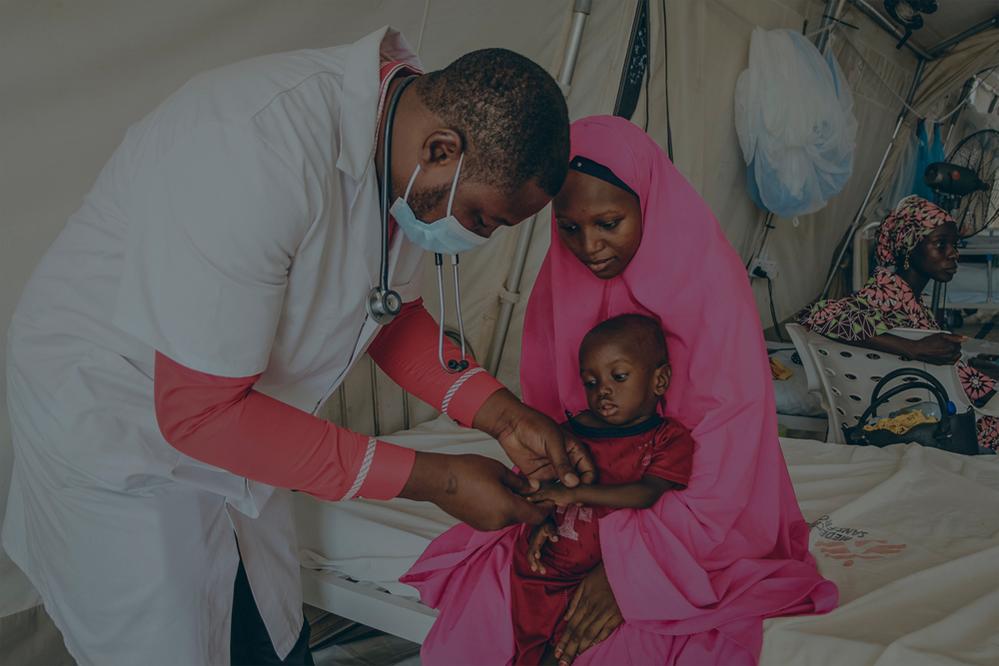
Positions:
{"x": 983, "y": 244}
{"x": 397, "y": 615}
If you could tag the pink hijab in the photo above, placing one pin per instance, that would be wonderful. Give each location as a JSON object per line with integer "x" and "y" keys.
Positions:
{"x": 696, "y": 574}
{"x": 733, "y": 545}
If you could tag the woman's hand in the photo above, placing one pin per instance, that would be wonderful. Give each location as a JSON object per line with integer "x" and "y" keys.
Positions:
{"x": 592, "y": 616}
{"x": 938, "y": 349}
{"x": 535, "y": 443}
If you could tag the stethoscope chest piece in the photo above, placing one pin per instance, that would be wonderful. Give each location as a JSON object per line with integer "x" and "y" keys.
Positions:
{"x": 383, "y": 305}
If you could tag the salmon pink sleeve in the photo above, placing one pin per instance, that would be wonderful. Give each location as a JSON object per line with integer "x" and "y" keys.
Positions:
{"x": 224, "y": 422}
{"x": 406, "y": 350}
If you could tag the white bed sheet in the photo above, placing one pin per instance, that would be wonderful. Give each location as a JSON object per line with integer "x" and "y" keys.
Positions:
{"x": 910, "y": 535}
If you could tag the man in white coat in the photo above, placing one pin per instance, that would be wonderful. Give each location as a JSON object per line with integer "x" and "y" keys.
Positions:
{"x": 169, "y": 352}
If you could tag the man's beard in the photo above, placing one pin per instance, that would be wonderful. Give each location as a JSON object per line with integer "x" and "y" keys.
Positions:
{"x": 424, "y": 202}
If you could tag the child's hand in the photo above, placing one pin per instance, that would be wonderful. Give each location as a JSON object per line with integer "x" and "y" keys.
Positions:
{"x": 555, "y": 493}
{"x": 546, "y": 531}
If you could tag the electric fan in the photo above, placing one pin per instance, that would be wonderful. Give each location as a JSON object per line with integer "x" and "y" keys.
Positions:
{"x": 967, "y": 184}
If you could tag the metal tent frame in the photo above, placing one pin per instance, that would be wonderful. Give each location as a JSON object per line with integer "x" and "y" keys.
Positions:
{"x": 833, "y": 9}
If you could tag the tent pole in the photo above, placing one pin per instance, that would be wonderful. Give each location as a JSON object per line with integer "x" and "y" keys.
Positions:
{"x": 874, "y": 181}
{"x": 834, "y": 8}
{"x": 889, "y": 27}
{"x": 510, "y": 294}
{"x": 937, "y": 50}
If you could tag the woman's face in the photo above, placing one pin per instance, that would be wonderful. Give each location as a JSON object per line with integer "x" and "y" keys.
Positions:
{"x": 936, "y": 255}
{"x": 600, "y": 223}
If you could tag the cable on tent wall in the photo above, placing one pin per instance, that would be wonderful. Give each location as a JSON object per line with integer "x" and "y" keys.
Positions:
{"x": 648, "y": 74}
{"x": 669, "y": 128}
{"x": 773, "y": 309}
{"x": 767, "y": 226}
{"x": 423, "y": 26}
{"x": 636, "y": 65}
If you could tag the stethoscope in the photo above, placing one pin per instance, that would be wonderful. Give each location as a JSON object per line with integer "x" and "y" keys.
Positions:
{"x": 384, "y": 304}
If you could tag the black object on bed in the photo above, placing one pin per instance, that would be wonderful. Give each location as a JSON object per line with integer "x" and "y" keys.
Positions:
{"x": 954, "y": 432}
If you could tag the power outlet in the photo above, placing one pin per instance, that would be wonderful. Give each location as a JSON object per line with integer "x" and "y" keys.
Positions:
{"x": 766, "y": 266}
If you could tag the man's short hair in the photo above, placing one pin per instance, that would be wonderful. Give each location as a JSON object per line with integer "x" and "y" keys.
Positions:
{"x": 512, "y": 113}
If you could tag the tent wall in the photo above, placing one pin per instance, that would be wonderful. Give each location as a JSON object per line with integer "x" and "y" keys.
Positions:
{"x": 939, "y": 91}
{"x": 702, "y": 79}
{"x": 708, "y": 49}
{"x": 75, "y": 75}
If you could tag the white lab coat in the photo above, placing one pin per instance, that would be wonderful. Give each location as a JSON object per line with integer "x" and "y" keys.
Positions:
{"x": 237, "y": 230}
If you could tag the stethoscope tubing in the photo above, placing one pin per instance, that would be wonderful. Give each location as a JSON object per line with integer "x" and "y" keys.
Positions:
{"x": 383, "y": 292}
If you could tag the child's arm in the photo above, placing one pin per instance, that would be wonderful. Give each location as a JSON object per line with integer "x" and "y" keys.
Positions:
{"x": 639, "y": 495}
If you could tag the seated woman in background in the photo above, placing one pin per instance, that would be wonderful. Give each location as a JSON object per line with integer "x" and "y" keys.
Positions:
{"x": 917, "y": 242}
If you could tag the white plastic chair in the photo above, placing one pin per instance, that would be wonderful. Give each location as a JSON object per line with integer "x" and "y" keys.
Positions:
{"x": 845, "y": 376}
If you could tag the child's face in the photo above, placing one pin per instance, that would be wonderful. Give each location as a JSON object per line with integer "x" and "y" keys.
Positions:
{"x": 622, "y": 388}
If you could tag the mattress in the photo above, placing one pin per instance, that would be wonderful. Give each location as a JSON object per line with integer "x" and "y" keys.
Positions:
{"x": 910, "y": 535}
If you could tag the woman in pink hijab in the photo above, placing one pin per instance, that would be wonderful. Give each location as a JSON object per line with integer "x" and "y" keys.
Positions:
{"x": 690, "y": 580}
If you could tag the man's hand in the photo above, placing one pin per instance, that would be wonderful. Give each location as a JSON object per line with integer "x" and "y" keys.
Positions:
{"x": 474, "y": 489}
{"x": 536, "y": 444}
{"x": 592, "y": 616}
{"x": 540, "y": 535}
{"x": 555, "y": 493}
{"x": 938, "y": 349}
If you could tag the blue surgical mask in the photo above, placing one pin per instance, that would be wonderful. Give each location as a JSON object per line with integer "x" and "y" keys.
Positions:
{"x": 444, "y": 236}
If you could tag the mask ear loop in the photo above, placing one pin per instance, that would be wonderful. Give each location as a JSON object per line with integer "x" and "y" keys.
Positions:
{"x": 454, "y": 183}
{"x": 412, "y": 179}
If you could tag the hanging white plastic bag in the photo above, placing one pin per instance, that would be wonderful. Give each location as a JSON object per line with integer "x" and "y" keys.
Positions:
{"x": 794, "y": 118}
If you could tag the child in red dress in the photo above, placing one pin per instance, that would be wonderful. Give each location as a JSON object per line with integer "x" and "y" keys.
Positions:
{"x": 638, "y": 454}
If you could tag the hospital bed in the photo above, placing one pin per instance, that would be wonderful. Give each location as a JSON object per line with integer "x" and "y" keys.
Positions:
{"x": 798, "y": 408}
{"x": 976, "y": 285}
{"x": 910, "y": 535}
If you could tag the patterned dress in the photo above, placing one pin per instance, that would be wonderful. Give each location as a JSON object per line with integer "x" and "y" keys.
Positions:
{"x": 884, "y": 303}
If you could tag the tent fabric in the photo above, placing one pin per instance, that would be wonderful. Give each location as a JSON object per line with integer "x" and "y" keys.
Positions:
{"x": 76, "y": 75}
{"x": 938, "y": 91}
{"x": 702, "y": 78}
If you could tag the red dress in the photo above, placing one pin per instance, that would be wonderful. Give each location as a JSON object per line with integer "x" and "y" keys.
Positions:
{"x": 657, "y": 447}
